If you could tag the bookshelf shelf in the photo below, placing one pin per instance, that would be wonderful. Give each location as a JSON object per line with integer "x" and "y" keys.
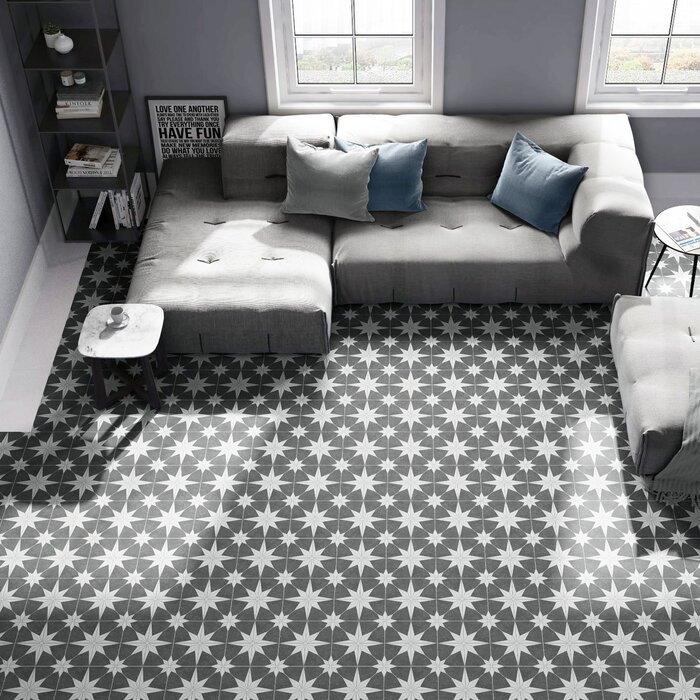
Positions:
{"x": 46, "y": 2}
{"x": 98, "y": 51}
{"x": 85, "y": 56}
{"x": 51, "y": 124}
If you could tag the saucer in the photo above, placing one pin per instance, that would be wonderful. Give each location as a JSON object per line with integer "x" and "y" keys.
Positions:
{"x": 117, "y": 326}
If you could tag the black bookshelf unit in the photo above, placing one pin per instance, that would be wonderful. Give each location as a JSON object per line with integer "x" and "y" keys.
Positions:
{"x": 99, "y": 52}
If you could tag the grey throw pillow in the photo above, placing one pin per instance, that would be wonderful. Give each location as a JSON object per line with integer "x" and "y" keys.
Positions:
{"x": 328, "y": 182}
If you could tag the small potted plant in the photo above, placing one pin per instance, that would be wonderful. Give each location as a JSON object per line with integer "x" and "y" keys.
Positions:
{"x": 51, "y": 32}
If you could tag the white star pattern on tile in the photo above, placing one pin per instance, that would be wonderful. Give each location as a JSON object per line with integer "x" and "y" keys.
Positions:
{"x": 442, "y": 507}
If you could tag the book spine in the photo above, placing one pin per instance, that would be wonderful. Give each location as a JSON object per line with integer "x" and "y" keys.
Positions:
{"x": 74, "y": 96}
{"x": 138, "y": 199}
{"x": 119, "y": 196}
{"x": 94, "y": 165}
{"x": 128, "y": 218}
{"x": 71, "y": 110}
{"x": 80, "y": 115}
{"x": 95, "y": 174}
{"x": 115, "y": 211}
{"x": 133, "y": 212}
{"x": 79, "y": 106}
{"x": 98, "y": 210}
{"x": 88, "y": 102}
{"x": 78, "y": 101}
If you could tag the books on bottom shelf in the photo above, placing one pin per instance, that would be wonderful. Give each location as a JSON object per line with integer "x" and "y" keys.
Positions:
{"x": 109, "y": 169}
{"x": 128, "y": 208}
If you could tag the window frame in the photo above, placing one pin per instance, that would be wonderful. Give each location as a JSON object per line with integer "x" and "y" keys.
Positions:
{"x": 285, "y": 96}
{"x": 593, "y": 95}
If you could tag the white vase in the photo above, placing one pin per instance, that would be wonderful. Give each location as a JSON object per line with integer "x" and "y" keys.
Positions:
{"x": 50, "y": 39}
{"x": 63, "y": 44}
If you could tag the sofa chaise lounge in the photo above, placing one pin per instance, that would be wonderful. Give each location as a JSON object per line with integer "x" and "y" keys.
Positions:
{"x": 235, "y": 276}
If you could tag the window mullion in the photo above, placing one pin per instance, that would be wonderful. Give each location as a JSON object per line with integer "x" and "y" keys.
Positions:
{"x": 354, "y": 43}
{"x": 668, "y": 42}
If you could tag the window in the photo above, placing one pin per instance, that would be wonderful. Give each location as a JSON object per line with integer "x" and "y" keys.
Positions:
{"x": 641, "y": 56}
{"x": 353, "y": 55}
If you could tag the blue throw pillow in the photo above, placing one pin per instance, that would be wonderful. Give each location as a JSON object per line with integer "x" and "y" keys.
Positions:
{"x": 536, "y": 186}
{"x": 395, "y": 183}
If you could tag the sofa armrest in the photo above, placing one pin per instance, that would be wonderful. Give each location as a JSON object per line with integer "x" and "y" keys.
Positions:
{"x": 607, "y": 241}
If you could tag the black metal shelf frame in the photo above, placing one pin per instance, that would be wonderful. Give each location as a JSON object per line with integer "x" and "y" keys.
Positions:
{"x": 95, "y": 47}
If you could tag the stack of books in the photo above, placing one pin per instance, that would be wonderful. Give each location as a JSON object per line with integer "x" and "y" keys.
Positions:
{"x": 85, "y": 160}
{"x": 109, "y": 169}
{"x": 80, "y": 101}
{"x": 128, "y": 207}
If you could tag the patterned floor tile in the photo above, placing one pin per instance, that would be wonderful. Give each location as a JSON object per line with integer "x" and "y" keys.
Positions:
{"x": 444, "y": 506}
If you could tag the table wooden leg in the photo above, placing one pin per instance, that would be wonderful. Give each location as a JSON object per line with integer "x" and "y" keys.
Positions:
{"x": 656, "y": 264}
{"x": 161, "y": 359}
{"x": 98, "y": 383}
{"x": 150, "y": 380}
{"x": 692, "y": 279}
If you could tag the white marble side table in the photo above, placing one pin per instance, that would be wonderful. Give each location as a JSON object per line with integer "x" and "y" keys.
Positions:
{"x": 101, "y": 342}
{"x": 674, "y": 219}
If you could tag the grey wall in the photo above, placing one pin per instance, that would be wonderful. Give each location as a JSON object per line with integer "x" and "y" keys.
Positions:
{"x": 185, "y": 48}
{"x": 500, "y": 56}
{"x": 522, "y": 56}
{"x": 503, "y": 56}
{"x": 24, "y": 194}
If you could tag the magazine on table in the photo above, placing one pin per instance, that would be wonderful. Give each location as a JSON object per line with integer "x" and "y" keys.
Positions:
{"x": 682, "y": 226}
{"x": 687, "y": 238}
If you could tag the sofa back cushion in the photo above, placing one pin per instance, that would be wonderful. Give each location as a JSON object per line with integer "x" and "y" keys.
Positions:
{"x": 466, "y": 153}
{"x": 254, "y": 152}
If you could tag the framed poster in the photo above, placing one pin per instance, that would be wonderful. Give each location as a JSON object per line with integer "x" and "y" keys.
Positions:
{"x": 186, "y": 127}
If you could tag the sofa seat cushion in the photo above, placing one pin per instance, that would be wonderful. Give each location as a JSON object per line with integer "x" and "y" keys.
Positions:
{"x": 254, "y": 152}
{"x": 456, "y": 251}
{"x": 228, "y": 279}
{"x": 653, "y": 353}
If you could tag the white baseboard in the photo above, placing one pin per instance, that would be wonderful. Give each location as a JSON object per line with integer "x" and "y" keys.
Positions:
{"x": 34, "y": 332}
{"x": 672, "y": 189}
{"x": 24, "y": 306}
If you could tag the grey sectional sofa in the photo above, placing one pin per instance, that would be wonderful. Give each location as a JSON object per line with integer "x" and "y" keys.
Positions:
{"x": 234, "y": 275}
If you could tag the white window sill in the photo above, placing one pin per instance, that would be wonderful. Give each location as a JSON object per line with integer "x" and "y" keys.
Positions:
{"x": 354, "y": 107}
{"x": 645, "y": 109}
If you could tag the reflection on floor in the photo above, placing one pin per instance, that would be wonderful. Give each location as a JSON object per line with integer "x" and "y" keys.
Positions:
{"x": 444, "y": 506}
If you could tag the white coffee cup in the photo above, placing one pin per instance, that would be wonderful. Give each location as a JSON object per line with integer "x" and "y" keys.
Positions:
{"x": 117, "y": 315}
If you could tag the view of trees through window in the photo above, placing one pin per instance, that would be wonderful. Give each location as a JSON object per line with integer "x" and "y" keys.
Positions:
{"x": 353, "y": 42}
{"x": 654, "y": 42}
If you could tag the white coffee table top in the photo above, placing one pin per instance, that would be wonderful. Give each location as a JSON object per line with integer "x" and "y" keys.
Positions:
{"x": 138, "y": 338}
{"x": 675, "y": 219}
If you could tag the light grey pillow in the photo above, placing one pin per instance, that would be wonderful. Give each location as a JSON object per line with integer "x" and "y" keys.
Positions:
{"x": 328, "y": 182}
